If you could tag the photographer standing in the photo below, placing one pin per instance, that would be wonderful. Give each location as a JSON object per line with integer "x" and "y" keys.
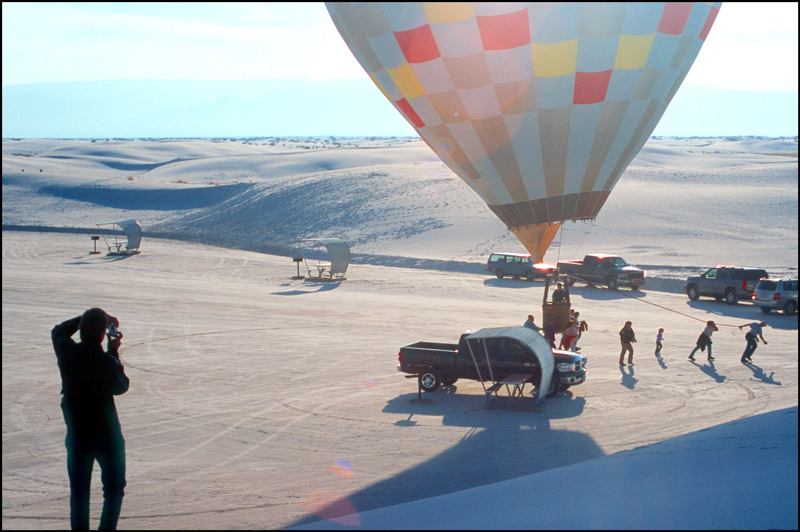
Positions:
{"x": 90, "y": 378}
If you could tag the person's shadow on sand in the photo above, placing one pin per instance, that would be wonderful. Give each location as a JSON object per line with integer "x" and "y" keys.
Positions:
{"x": 759, "y": 374}
{"x": 628, "y": 380}
{"x": 661, "y": 362}
{"x": 711, "y": 371}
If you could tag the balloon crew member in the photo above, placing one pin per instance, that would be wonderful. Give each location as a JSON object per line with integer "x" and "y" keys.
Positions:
{"x": 627, "y": 338}
{"x": 582, "y": 327}
{"x": 559, "y": 295}
{"x": 704, "y": 340}
{"x": 90, "y": 378}
{"x": 659, "y": 339}
{"x": 752, "y": 336}
{"x": 530, "y": 324}
{"x": 550, "y": 332}
{"x": 570, "y": 336}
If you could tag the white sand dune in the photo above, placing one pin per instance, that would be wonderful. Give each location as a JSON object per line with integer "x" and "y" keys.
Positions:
{"x": 394, "y": 198}
{"x": 248, "y": 386}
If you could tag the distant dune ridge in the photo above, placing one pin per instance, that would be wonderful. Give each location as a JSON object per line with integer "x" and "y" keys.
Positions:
{"x": 153, "y": 108}
{"x": 684, "y": 204}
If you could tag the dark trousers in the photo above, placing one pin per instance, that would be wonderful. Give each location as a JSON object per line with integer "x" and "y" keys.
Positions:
{"x": 752, "y": 343}
{"x": 626, "y": 346}
{"x": 698, "y": 348}
{"x": 109, "y": 451}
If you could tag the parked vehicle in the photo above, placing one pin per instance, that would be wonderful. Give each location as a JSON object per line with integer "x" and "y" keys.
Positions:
{"x": 727, "y": 282}
{"x": 517, "y": 265}
{"x": 778, "y": 294}
{"x": 600, "y": 268}
{"x": 497, "y": 354}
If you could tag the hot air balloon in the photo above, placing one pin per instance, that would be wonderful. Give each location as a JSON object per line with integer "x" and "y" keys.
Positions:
{"x": 539, "y": 108}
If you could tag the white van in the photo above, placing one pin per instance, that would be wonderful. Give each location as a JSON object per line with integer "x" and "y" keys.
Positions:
{"x": 778, "y": 294}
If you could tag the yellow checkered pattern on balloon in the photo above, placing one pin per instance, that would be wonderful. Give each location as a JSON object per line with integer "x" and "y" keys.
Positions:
{"x": 406, "y": 81}
{"x": 633, "y": 51}
{"x": 556, "y": 59}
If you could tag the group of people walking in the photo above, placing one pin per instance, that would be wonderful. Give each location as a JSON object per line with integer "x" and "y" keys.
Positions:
{"x": 627, "y": 338}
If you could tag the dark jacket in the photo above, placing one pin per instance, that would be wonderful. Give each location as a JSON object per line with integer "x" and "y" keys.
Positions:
{"x": 90, "y": 378}
{"x": 550, "y": 332}
{"x": 626, "y": 335}
{"x": 559, "y": 295}
{"x": 703, "y": 341}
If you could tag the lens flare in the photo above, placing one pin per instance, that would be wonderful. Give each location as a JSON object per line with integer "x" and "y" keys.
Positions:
{"x": 342, "y": 468}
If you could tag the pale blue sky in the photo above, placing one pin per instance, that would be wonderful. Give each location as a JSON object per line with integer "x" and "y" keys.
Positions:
{"x": 751, "y": 46}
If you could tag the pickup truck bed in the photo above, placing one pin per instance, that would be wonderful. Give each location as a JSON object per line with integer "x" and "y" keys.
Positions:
{"x": 433, "y": 345}
{"x": 511, "y": 350}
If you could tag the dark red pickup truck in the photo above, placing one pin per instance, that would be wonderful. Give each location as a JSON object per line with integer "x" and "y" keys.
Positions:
{"x": 609, "y": 270}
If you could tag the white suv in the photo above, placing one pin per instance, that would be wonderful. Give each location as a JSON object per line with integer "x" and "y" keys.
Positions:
{"x": 776, "y": 294}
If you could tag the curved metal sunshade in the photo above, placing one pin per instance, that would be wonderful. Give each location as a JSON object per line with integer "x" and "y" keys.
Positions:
{"x": 542, "y": 350}
{"x": 132, "y": 230}
{"x": 339, "y": 252}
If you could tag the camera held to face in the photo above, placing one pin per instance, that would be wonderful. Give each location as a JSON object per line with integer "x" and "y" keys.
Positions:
{"x": 113, "y": 332}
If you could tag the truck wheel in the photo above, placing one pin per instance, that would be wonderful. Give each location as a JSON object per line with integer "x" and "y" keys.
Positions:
{"x": 612, "y": 283}
{"x": 499, "y": 273}
{"x": 529, "y": 276}
{"x": 571, "y": 281}
{"x": 790, "y": 308}
{"x": 429, "y": 380}
{"x": 449, "y": 382}
{"x": 564, "y": 387}
{"x": 692, "y": 292}
{"x": 765, "y": 310}
{"x": 552, "y": 390}
{"x": 730, "y": 296}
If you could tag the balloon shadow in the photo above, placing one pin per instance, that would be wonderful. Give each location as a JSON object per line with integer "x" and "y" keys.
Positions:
{"x": 498, "y": 446}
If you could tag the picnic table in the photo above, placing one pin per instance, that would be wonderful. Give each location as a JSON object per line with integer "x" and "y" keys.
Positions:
{"x": 320, "y": 268}
{"x": 117, "y": 245}
{"x": 515, "y": 384}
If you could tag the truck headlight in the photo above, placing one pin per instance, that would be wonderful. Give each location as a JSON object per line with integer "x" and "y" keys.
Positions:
{"x": 565, "y": 367}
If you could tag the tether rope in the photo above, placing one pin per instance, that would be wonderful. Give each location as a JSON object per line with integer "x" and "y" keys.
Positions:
{"x": 650, "y": 303}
